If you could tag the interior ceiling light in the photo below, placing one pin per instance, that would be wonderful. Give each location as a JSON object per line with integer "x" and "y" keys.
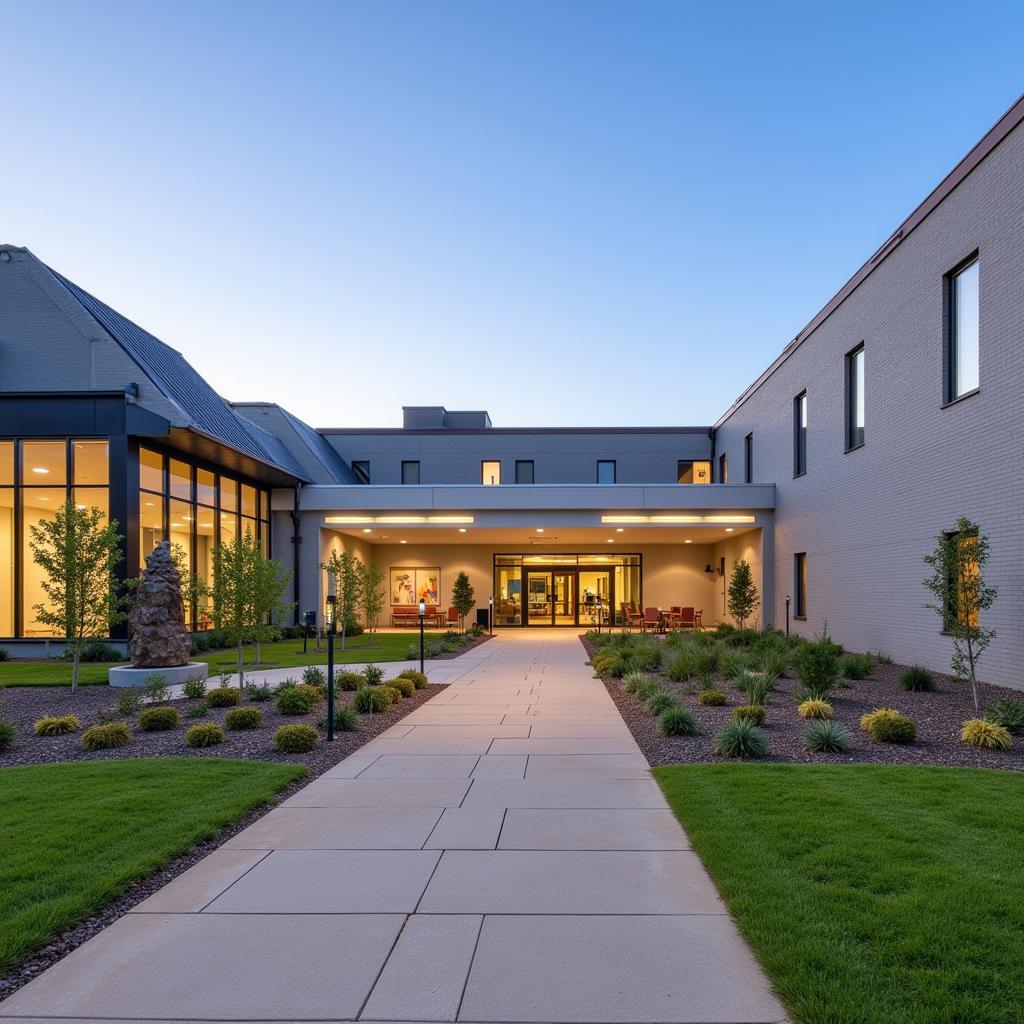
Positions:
{"x": 619, "y": 530}
{"x": 540, "y": 529}
{"x": 358, "y": 520}
{"x": 728, "y": 529}
{"x": 687, "y": 541}
{"x": 40, "y": 469}
{"x": 462, "y": 529}
{"x": 677, "y": 518}
{"x": 611, "y": 540}
{"x": 403, "y": 542}
{"x": 367, "y": 530}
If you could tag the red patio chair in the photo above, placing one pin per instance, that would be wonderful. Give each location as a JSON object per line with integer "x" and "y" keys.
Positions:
{"x": 686, "y": 619}
{"x": 652, "y": 619}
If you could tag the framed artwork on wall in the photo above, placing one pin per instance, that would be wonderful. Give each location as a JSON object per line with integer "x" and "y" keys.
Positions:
{"x": 409, "y": 585}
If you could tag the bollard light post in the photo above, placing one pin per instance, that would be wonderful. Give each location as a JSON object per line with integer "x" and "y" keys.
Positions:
{"x": 787, "y": 615}
{"x": 332, "y": 601}
{"x": 423, "y": 612}
{"x": 490, "y": 616}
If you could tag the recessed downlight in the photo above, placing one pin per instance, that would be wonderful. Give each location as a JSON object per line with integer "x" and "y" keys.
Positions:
{"x": 41, "y": 470}
{"x": 367, "y": 530}
{"x": 403, "y": 542}
{"x": 540, "y": 529}
{"x": 462, "y": 529}
{"x": 728, "y": 529}
{"x": 620, "y": 529}
{"x": 687, "y": 541}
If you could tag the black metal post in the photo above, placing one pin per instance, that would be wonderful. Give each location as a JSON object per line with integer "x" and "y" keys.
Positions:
{"x": 490, "y": 616}
{"x": 423, "y": 611}
{"x": 787, "y": 615}
{"x": 330, "y": 667}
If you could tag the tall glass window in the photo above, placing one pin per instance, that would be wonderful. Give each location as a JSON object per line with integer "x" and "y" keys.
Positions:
{"x": 748, "y": 459}
{"x": 800, "y": 434}
{"x": 6, "y": 538}
{"x": 490, "y": 472}
{"x": 800, "y": 584}
{"x": 963, "y": 332}
{"x": 855, "y": 398}
{"x": 723, "y": 468}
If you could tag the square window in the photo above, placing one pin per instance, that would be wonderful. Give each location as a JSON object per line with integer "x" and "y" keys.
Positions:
{"x": 490, "y": 473}
{"x": 524, "y": 471}
{"x": 44, "y": 463}
{"x": 410, "y": 472}
{"x": 606, "y": 471}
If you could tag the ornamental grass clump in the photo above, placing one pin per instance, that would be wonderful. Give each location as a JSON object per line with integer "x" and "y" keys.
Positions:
{"x": 419, "y": 679}
{"x": 886, "y": 725}
{"x": 205, "y": 734}
{"x": 159, "y": 719}
{"x": 749, "y": 712}
{"x": 741, "y": 739}
{"x": 977, "y": 732}
{"x": 260, "y": 692}
{"x": 917, "y": 679}
{"x": 345, "y": 720}
{"x": 812, "y": 708}
{"x": 243, "y": 718}
{"x": 56, "y": 725}
{"x": 406, "y": 687}
{"x": 295, "y": 739}
{"x": 681, "y": 666}
{"x": 712, "y": 698}
{"x": 7, "y": 735}
{"x": 635, "y": 679}
{"x": 659, "y": 702}
{"x": 106, "y": 737}
{"x": 677, "y": 721}
{"x": 858, "y": 666}
{"x": 826, "y": 737}
{"x": 1009, "y": 714}
{"x": 756, "y": 686}
{"x": 643, "y": 691}
{"x": 224, "y": 697}
{"x": 371, "y": 700}
{"x": 313, "y": 675}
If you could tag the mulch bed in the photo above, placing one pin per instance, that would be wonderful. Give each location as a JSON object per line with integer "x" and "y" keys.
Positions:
{"x": 938, "y": 715}
{"x": 22, "y": 706}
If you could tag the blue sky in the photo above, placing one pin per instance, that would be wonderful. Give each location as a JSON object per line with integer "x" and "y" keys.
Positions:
{"x": 566, "y": 213}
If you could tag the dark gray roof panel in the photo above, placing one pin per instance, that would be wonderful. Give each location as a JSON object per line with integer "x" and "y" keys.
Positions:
{"x": 324, "y": 451}
{"x": 199, "y": 404}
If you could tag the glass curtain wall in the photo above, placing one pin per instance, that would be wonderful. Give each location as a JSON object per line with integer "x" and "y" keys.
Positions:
{"x": 36, "y": 479}
{"x": 196, "y": 508}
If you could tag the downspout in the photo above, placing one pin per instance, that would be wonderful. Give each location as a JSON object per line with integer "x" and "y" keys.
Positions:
{"x": 714, "y": 461}
{"x": 296, "y": 541}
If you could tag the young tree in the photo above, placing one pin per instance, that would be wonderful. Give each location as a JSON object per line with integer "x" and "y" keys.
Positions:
{"x": 371, "y": 595}
{"x": 343, "y": 566}
{"x": 270, "y": 581}
{"x": 463, "y": 597}
{"x": 236, "y": 567}
{"x": 961, "y": 595}
{"x": 743, "y": 595}
{"x": 77, "y": 551}
{"x": 193, "y": 586}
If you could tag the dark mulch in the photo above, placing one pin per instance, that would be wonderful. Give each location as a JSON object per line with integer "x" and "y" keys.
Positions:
{"x": 24, "y": 706}
{"x": 938, "y": 715}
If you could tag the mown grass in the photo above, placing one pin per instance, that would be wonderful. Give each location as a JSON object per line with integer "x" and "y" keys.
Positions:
{"x": 76, "y": 835}
{"x": 869, "y": 893}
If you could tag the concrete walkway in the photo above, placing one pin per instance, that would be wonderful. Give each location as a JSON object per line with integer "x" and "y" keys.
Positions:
{"x": 502, "y": 854}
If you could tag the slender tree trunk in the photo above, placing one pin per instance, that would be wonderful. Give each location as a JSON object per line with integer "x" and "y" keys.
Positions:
{"x": 74, "y": 668}
{"x": 241, "y": 666}
{"x": 974, "y": 682}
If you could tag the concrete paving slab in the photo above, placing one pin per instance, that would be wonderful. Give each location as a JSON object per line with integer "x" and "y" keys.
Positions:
{"x": 531, "y": 882}
{"x": 426, "y": 973}
{"x": 423, "y": 766}
{"x": 193, "y": 889}
{"x": 500, "y": 766}
{"x": 592, "y": 829}
{"x": 587, "y": 766}
{"x": 463, "y": 828}
{"x": 575, "y": 730}
{"x": 365, "y": 792}
{"x": 616, "y": 969}
{"x": 217, "y": 966}
{"x": 565, "y": 745}
{"x": 331, "y": 828}
{"x": 426, "y": 730}
{"x": 331, "y": 882}
{"x": 555, "y": 792}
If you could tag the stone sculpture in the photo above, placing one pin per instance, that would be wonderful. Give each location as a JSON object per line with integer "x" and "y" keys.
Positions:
{"x": 157, "y": 618}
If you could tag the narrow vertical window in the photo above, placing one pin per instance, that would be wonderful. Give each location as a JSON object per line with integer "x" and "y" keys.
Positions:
{"x": 410, "y": 472}
{"x": 606, "y": 471}
{"x": 723, "y": 468}
{"x": 855, "y": 398}
{"x": 800, "y": 434}
{"x": 800, "y": 585}
{"x": 962, "y": 332}
{"x": 524, "y": 471}
{"x": 490, "y": 473}
{"x": 748, "y": 459}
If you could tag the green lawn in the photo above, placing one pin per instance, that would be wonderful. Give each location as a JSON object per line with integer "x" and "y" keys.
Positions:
{"x": 869, "y": 893}
{"x": 286, "y": 654}
{"x": 75, "y": 835}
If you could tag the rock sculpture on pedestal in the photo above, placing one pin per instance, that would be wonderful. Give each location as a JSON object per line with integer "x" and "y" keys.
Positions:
{"x": 157, "y": 618}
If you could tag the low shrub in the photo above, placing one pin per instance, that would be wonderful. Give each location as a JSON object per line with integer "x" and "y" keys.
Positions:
{"x": 817, "y": 666}
{"x": 1009, "y": 714}
{"x": 705, "y": 661}
{"x": 602, "y": 663}
{"x": 370, "y": 700}
{"x": 712, "y": 698}
{"x": 6, "y": 735}
{"x": 4, "y": 654}
{"x": 635, "y": 679}
{"x": 706, "y": 680}
{"x": 314, "y": 675}
{"x": 677, "y": 721}
{"x": 749, "y": 712}
{"x": 772, "y": 661}
{"x": 345, "y": 680}
{"x": 826, "y": 737}
{"x": 295, "y": 739}
{"x": 660, "y": 701}
{"x": 888, "y": 726}
{"x": 372, "y": 675}
{"x": 918, "y": 679}
{"x": 811, "y": 708}
{"x": 741, "y": 739}
{"x": 394, "y": 695}
{"x": 646, "y": 689}
{"x": 681, "y": 666}
{"x": 295, "y": 700}
{"x": 205, "y": 734}
{"x": 194, "y": 688}
{"x": 406, "y": 687}
{"x": 244, "y": 718}
{"x": 197, "y": 710}
{"x": 345, "y": 720}
{"x": 224, "y": 697}
{"x": 858, "y": 666}
{"x": 155, "y": 688}
{"x": 977, "y": 732}
{"x": 128, "y": 703}
{"x": 756, "y": 686}
{"x": 315, "y": 692}
{"x": 419, "y": 679}
{"x": 106, "y": 737}
{"x": 56, "y": 725}
{"x": 96, "y": 650}
{"x": 260, "y": 692}
{"x": 159, "y": 719}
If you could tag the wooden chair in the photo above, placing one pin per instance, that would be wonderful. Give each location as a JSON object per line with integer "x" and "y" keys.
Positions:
{"x": 652, "y": 619}
{"x": 453, "y": 618}
{"x": 686, "y": 619}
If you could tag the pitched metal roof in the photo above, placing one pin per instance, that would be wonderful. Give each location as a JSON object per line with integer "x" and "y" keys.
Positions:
{"x": 324, "y": 451}
{"x": 202, "y": 408}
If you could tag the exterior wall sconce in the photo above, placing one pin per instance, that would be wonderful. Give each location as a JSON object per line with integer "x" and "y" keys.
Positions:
{"x": 708, "y": 570}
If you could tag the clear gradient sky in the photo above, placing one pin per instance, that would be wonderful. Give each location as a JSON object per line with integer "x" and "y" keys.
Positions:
{"x": 564, "y": 212}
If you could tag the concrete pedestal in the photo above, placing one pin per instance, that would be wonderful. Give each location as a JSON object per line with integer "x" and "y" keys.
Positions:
{"x": 125, "y": 675}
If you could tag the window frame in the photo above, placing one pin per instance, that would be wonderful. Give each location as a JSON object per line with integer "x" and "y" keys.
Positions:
{"x": 800, "y": 434}
{"x": 483, "y": 473}
{"x": 748, "y": 458}
{"x": 723, "y": 468}
{"x": 852, "y": 442}
{"x": 615, "y": 472}
{"x": 533, "y": 474}
{"x": 410, "y": 463}
{"x": 949, "y": 332}
{"x": 800, "y": 586}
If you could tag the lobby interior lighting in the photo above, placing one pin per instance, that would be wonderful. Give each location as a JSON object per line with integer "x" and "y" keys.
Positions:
{"x": 40, "y": 469}
{"x": 367, "y": 530}
{"x": 678, "y": 518}
{"x": 396, "y": 520}
{"x": 462, "y": 529}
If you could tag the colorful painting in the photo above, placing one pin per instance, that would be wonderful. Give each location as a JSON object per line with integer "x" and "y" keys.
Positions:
{"x": 409, "y": 586}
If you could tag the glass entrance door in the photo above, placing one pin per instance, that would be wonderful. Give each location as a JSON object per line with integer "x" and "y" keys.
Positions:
{"x": 551, "y": 597}
{"x": 563, "y": 587}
